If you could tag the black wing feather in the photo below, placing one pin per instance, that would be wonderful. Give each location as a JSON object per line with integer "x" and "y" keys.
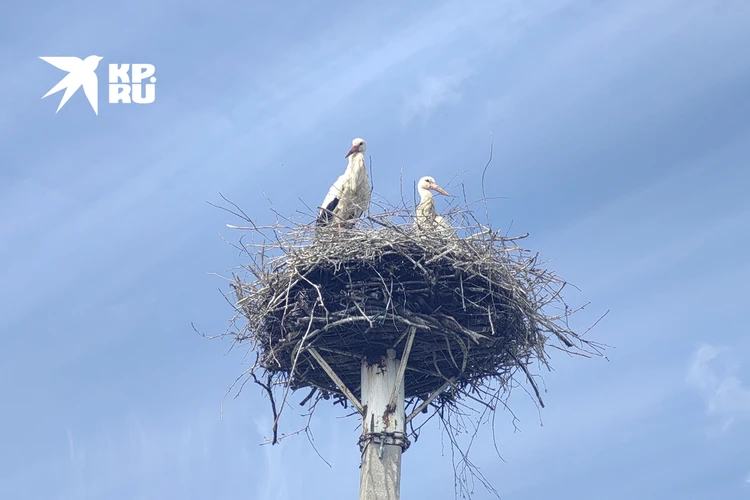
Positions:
{"x": 326, "y": 213}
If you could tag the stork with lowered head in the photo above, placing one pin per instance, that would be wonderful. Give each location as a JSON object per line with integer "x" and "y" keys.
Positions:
{"x": 349, "y": 196}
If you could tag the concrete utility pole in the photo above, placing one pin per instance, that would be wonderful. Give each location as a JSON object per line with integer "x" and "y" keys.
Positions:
{"x": 383, "y": 437}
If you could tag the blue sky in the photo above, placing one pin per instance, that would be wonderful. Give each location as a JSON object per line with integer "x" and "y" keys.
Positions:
{"x": 621, "y": 131}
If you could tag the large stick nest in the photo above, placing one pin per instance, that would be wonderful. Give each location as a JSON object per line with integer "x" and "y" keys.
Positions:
{"x": 481, "y": 306}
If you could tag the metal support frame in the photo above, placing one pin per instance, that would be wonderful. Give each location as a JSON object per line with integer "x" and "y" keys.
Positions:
{"x": 430, "y": 399}
{"x": 336, "y": 380}
{"x": 401, "y": 369}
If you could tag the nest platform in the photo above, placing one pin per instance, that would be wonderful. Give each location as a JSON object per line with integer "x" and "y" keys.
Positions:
{"x": 472, "y": 309}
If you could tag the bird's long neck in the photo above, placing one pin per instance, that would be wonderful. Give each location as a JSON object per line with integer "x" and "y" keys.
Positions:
{"x": 426, "y": 207}
{"x": 425, "y": 196}
{"x": 356, "y": 161}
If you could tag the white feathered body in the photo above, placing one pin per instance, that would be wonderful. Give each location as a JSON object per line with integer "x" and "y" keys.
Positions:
{"x": 427, "y": 218}
{"x": 349, "y": 196}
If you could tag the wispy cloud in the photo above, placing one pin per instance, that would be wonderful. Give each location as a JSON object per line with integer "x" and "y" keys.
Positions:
{"x": 713, "y": 376}
{"x": 432, "y": 92}
{"x": 147, "y": 457}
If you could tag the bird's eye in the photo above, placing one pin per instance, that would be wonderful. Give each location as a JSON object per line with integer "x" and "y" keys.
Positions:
{"x": 361, "y": 143}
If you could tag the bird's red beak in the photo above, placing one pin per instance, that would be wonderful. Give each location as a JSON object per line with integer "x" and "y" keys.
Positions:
{"x": 437, "y": 188}
{"x": 355, "y": 149}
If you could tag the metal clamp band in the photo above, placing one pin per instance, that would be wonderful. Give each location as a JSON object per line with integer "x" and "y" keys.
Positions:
{"x": 384, "y": 438}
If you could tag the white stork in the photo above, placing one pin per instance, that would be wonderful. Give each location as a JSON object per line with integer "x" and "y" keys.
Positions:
{"x": 349, "y": 196}
{"x": 427, "y": 218}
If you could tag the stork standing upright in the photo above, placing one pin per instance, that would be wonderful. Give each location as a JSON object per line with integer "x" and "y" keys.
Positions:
{"x": 349, "y": 196}
{"x": 427, "y": 218}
